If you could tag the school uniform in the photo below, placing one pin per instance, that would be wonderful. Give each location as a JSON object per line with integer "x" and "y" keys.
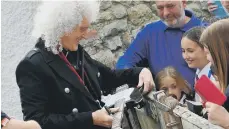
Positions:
{"x": 205, "y": 71}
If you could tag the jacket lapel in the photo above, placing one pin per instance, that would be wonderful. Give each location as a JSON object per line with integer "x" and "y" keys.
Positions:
{"x": 93, "y": 75}
{"x": 61, "y": 68}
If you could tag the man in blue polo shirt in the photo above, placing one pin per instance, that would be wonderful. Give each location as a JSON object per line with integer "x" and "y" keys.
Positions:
{"x": 158, "y": 45}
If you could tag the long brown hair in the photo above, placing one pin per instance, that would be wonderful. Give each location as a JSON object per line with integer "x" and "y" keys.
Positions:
{"x": 216, "y": 39}
{"x": 172, "y": 72}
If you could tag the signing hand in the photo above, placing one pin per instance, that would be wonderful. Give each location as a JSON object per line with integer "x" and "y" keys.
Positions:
{"x": 217, "y": 115}
{"x": 145, "y": 77}
{"x": 101, "y": 117}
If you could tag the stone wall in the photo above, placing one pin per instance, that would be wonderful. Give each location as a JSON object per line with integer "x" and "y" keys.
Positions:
{"x": 120, "y": 21}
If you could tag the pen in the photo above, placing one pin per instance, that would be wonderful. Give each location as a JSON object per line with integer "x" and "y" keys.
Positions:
{"x": 108, "y": 110}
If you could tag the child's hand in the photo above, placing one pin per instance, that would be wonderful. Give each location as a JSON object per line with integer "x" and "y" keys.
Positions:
{"x": 217, "y": 115}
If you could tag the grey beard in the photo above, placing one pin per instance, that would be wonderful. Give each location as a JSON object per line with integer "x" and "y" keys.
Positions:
{"x": 180, "y": 22}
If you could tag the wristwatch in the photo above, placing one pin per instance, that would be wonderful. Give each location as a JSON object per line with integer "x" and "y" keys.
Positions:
{"x": 4, "y": 119}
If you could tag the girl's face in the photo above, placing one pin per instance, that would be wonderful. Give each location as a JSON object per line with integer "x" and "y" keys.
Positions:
{"x": 193, "y": 54}
{"x": 169, "y": 85}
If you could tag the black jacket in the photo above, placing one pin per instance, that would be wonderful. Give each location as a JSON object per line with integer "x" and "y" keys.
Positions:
{"x": 52, "y": 95}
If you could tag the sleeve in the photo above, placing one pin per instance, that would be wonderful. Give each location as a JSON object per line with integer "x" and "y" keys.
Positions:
{"x": 4, "y": 115}
{"x": 115, "y": 78}
{"x": 136, "y": 54}
{"x": 4, "y": 119}
{"x": 34, "y": 99}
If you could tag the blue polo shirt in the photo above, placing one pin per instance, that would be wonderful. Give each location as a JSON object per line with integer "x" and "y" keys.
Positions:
{"x": 158, "y": 46}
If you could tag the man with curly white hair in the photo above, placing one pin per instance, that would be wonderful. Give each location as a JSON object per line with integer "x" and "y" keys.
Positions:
{"x": 60, "y": 84}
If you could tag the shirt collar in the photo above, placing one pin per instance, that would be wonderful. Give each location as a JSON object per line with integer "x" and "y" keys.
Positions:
{"x": 204, "y": 71}
{"x": 192, "y": 22}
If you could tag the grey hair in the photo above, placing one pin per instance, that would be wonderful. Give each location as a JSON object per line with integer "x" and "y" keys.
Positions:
{"x": 54, "y": 19}
{"x": 179, "y": 20}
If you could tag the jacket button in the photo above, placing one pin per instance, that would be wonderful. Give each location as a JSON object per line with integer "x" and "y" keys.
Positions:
{"x": 67, "y": 90}
{"x": 74, "y": 66}
{"x": 97, "y": 101}
{"x": 98, "y": 74}
{"x": 75, "y": 110}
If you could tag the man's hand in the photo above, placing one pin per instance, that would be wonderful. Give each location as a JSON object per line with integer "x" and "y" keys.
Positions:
{"x": 217, "y": 115}
{"x": 101, "y": 117}
{"x": 145, "y": 77}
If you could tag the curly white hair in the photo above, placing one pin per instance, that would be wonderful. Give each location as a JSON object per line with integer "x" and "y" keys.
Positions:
{"x": 56, "y": 18}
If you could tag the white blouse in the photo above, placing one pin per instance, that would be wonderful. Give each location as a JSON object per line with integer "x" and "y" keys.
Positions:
{"x": 205, "y": 71}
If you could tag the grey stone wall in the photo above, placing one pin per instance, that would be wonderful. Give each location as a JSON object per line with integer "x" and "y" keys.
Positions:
{"x": 117, "y": 25}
